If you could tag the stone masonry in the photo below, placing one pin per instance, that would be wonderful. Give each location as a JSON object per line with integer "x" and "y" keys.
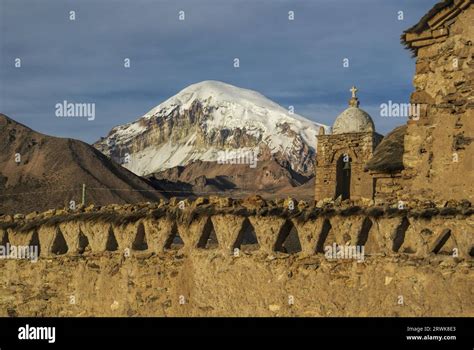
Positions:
{"x": 439, "y": 147}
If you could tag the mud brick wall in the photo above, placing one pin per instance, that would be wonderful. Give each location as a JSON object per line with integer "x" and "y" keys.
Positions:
{"x": 126, "y": 261}
{"x": 439, "y": 147}
{"x": 155, "y": 228}
{"x": 388, "y": 187}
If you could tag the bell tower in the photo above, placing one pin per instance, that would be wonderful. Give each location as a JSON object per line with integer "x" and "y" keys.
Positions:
{"x": 342, "y": 154}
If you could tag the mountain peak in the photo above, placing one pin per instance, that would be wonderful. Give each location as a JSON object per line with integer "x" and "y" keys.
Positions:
{"x": 221, "y": 90}
{"x": 212, "y": 85}
{"x": 219, "y": 94}
{"x": 208, "y": 117}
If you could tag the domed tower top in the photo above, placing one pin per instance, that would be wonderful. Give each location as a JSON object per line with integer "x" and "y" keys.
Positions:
{"x": 353, "y": 119}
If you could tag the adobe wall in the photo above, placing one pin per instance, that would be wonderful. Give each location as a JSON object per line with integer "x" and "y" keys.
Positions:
{"x": 388, "y": 187}
{"x": 206, "y": 283}
{"x": 129, "y": 266}
{"x": 439, "y": 147}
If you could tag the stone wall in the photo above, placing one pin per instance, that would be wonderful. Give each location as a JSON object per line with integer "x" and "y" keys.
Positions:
{"x": 388, "y": 187}
{"x": 359, "y": 147}
{"x": 152, "y": 228}
{"x": 127, "y": 261}
{"x": 206, "y": 283}
{"x": 439, "y": 147}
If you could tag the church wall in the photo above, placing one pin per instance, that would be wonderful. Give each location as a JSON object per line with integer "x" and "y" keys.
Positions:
{"x": 387, "y": 187}
{"x": 439, "y": 146}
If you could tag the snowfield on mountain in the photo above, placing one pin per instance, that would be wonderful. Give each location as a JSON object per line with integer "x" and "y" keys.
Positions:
{"x": 206, "y": 118}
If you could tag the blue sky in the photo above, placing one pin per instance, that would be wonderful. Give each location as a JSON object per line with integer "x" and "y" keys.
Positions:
{"x": 297, "y": 63}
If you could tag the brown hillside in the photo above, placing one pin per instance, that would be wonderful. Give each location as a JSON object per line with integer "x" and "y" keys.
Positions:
{"x": 268, "y": 179}
{"x": 52, "y": 170}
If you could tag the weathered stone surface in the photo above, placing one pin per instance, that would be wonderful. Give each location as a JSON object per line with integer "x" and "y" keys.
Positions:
{"x": 353, "y": 120}
{"x": 346, "y": 229}
{"x": 72, "y": 231}
{"x": 191, "y": 233}
{"x": 374, "y": 227}
{"x": 3, "y": 236}
{"x": 432, "y": 168}
{"x": 19, "y": 238}
{"x": 47, "y": 237}
{"x": 214, "y": 281}
{"x": 383, "y": 234}
{"x": 31, "y": 215}
{"x": 267, "y": 230}
{"x": 243, "y": 286}
{"x": 424, "y": 235}
{"x": 309, "y": 233}
{"x": 125, "y": 235}
{"x": 157, "y": 232}
{"x": 227, "y": 229}
{"x": 359, "y": 148}
{"x": 98, "y": 234}
{"x": 254, "y": 202}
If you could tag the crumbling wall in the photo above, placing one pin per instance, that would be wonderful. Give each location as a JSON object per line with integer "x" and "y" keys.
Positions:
{"x": 388, "y": 188}
{"x": 208, "y": 283}
{"x": 152, "y": 228}
{"x": 439, "y": 145}
{"x": 128, "y": 261}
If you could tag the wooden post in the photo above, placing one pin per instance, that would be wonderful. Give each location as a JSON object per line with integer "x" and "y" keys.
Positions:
{"x": 83, "y": 194}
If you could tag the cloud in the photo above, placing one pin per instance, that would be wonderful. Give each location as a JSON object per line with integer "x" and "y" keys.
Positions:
{"x": 292, "y": 62}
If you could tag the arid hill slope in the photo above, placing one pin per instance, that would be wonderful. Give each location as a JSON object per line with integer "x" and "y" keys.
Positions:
{"x": 51, "y": 171}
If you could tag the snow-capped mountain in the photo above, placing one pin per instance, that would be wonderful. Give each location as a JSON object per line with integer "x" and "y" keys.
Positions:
{"x": 207, "y": 118}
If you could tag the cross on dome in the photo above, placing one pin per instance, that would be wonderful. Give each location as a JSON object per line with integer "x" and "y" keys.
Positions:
{"x": 353, "y": 119}
{"x": 354, "y": 101}
{"x": 354, "y": 91}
